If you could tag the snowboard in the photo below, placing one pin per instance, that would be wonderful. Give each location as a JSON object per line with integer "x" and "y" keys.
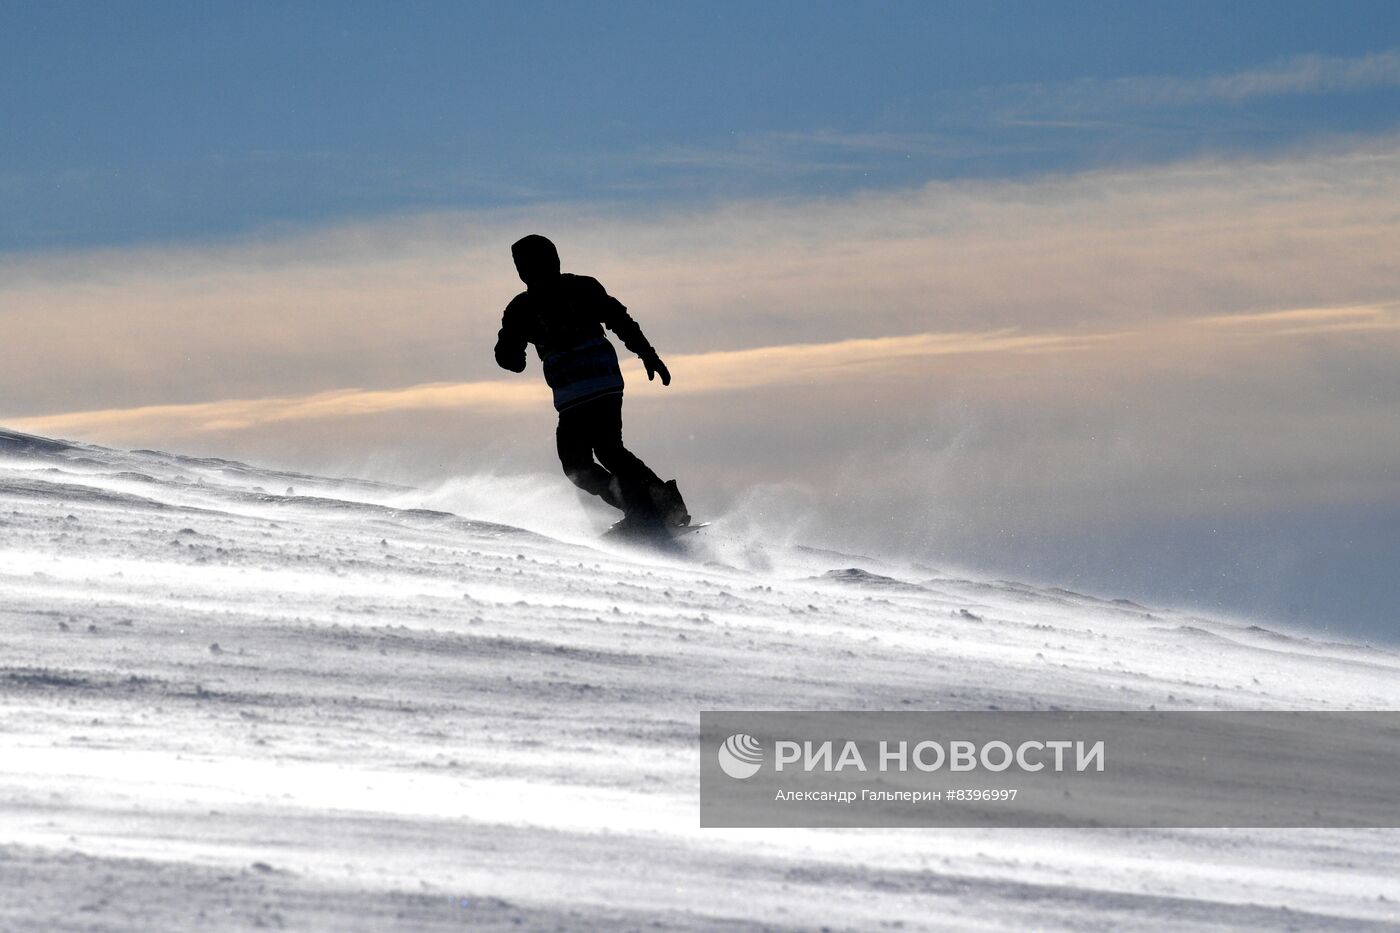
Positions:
{"x": 620, "y": 531}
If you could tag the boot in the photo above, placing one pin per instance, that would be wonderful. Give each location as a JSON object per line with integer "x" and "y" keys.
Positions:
{"x": 639, "y": 505}
{"x": 670, "y": 507}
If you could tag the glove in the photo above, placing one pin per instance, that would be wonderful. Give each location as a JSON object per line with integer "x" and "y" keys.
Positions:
{"x": 656, "y": 368}
{"x": 515, "y": 362}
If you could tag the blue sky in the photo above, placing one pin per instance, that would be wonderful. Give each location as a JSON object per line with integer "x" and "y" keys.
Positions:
{"x": 163, "y": 122}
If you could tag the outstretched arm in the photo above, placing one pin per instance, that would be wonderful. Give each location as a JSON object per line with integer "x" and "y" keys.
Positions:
{"x": 615, "y": 317}
{"x": 510, "y": 345}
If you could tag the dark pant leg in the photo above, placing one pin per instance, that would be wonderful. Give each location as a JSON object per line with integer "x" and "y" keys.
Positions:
{"x": 574, "y": 439}
{"x": 636, "y": 477}
{"x": 645, "y": 496}
{"x": 595, "y": 429}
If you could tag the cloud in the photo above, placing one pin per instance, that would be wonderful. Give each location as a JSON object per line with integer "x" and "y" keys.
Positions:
{"x": 830, "y": 364}
{"x": 416, "y": 299}
{"x": 1302, "y": 74}
{"x": 231, "y": 415}
{"x": 1299, "y": 75}
{"x": 1310, "y": 320}
{"x": 778, "y": 155}
{"x": 1010, "y": 127}
{"x": 704, "y": 373}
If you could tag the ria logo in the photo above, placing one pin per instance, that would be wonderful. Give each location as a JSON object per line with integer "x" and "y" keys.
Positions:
{"x": 740, "y": 756}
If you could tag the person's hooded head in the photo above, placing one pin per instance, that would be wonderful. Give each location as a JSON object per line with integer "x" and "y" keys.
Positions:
{"x": 536, "y": 260}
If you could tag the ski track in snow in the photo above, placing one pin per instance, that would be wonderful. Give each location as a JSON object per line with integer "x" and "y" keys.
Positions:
{"x": 226, "y": 704}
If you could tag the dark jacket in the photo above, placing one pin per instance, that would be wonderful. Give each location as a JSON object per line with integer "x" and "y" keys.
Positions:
{"x": 565, "y": 323}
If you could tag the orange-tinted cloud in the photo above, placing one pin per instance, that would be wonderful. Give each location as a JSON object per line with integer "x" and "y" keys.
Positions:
{"x": 401, "y": 301}
{"x": 735, "y": 371}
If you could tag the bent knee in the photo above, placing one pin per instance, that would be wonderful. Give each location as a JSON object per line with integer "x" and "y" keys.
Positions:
{"x": 592, "y": 479}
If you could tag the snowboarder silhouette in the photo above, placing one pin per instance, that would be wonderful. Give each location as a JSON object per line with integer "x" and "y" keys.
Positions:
{"x": 563, "y": 315}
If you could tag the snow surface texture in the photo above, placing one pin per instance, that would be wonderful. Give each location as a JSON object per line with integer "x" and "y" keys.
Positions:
{"x": 230, "y": 703}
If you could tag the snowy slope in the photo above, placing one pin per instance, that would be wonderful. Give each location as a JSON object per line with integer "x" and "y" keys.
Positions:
{"x": 233, "y": 697}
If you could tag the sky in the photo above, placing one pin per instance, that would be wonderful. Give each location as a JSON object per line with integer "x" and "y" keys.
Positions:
{"x": 1100, "y": 295}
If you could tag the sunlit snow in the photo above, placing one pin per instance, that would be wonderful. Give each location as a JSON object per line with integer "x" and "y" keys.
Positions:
{"x": 234, "y": 696}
